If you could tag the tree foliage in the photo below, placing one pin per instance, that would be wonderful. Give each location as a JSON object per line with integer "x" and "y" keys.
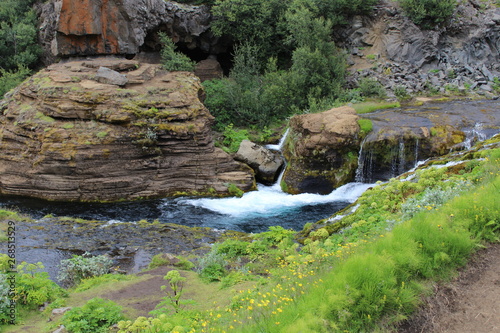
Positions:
{"x": 429, "y": 13}
{"x": 18, "y": 42}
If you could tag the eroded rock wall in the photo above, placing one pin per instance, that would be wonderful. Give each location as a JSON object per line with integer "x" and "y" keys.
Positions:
{"x": 104, "y": 27}
{"x": 66, "y": 136}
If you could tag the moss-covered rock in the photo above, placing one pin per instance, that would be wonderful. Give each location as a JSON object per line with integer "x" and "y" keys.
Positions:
{"x": 65, "y": 136}
{"x": 321, "y": 151}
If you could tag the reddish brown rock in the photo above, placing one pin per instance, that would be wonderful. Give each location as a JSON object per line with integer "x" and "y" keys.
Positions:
{"x": 65, "y": 136}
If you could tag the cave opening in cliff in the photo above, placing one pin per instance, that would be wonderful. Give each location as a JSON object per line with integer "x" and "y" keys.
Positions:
{"x": 222, "y": 52}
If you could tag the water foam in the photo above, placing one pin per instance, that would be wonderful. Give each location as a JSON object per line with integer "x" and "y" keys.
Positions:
{"x": 271, "y": 201}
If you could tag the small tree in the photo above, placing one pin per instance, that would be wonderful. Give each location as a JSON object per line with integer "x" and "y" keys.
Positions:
{"x": 172, "y": 60}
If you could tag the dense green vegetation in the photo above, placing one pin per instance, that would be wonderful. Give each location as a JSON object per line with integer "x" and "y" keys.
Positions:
{"x": 366, "y": 270}
{"x": 285, "y": 60}
{"x": 429, "y": 13}
{"x": 19, "y": 50}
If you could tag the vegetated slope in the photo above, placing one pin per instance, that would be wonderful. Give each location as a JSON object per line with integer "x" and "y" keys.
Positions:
{"x": 469, "y": 303}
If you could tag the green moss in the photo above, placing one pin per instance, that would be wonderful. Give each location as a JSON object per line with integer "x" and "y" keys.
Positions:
{"x": 365, "y": 125}
{"x": 102, "y": 134}
{"x": 367, "y": 107}
{"x": 44, "y": 118}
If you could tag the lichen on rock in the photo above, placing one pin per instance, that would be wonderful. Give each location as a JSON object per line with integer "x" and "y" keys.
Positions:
{"x": 66, "y": 136}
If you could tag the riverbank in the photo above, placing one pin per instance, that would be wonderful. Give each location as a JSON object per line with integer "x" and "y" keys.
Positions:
{"x": 399, "y": 233}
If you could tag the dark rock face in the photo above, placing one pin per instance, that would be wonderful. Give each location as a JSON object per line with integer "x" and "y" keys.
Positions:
{"x": 465, "y": 54}
{"x": 99, "y": 27}
{"x": 66, "y": 136}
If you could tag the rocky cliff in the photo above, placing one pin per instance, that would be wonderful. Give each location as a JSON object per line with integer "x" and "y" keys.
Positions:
{"x": 462, "y": 55}
{"x": 125, "y": 27}
{"x": 111, "y": 129}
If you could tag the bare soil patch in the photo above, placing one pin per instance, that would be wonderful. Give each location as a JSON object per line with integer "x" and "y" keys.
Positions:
{"x": 470, "y": 303}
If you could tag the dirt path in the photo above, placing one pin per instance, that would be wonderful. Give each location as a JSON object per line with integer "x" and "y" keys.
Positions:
{"x": 469, "y": 304}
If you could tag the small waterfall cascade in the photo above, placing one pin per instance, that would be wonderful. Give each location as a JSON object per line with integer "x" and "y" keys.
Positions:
{"x": 401, "y": 157}
{"x": 398, "y": 158}
{"x": 474, "y": 135}
{"x": 364, "y": 172}
{"x": 281, "y": 143}
{"x": 417, "y": 148}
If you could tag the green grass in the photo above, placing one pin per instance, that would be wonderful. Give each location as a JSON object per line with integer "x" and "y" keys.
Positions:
{"x": 367, "y": 107}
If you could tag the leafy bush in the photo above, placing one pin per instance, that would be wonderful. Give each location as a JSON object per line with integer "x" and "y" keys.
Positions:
{"x": 233, "y": 248}
{"x": 371, "y": 88}
{"x": 4, "y": 299}
{"x": 211, "y": 267}
{"x": 18, "y": 35}
{"x": 72, "y": 271}
{"x": 172, "y": 60}
{"x": 11, "y": 79}
{"x": 96, "y": 316}
{"x": 430, "y": 199}
{"x": 429, "y": 13}
{"x": 34, "y": 287}
{"x": 275, "y": 235}
{"x": 232, "y": 138}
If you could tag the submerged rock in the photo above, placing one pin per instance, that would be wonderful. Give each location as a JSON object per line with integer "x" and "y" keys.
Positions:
{"x": 66, "y": 136}
{"x": 266, "y": 163}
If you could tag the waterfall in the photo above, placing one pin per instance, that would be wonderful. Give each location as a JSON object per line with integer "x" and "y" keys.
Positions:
{"x": 474, "y": 135}
{"x": 281, "y": 143}
{"x": 401, "y": 157}
{"x": 417, "y": 147}
{"x": 364, "y": 171}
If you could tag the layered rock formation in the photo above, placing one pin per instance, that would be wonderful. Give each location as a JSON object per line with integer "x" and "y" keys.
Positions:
{"x": 66, "y": 136}
{"x": 321, "y": 151}
{"x": 98, "y": 27}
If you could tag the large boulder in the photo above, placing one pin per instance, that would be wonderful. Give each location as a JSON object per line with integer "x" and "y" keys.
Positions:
{"x": 66, "y": 136}
{"x": 321, "y": 151}
{"x": 266, "y": 163}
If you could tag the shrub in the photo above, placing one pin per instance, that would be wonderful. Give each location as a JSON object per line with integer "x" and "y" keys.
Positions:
{"x": 4, "y": 299}
{"x": 96, "y": 316}
{"x": 11, "y": 79}
{"x": 34, "y": 287}
{"x": 172, "y": 60}
{"x": 429, "y": 13}
{"x": 232, "y": 138}
{"x": 72, "y": 271}
{"x": 211, "y": 267}
{"x": 233, "y": 248}
{"x": 371, "y": 88}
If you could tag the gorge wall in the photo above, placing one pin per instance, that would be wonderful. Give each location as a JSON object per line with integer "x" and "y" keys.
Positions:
{"x": 122, "y": 27}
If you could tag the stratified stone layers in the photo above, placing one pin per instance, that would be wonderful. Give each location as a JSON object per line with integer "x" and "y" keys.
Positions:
{"x": 66, "y": 136}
